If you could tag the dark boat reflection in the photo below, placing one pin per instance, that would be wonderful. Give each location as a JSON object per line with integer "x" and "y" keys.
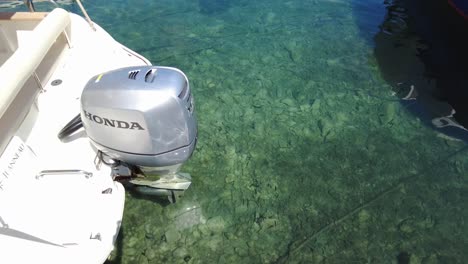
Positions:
{"x": 422, "y": 52}
{"x": 461, "y": 6}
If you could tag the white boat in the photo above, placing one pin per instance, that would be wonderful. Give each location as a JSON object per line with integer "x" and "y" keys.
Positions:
{"x": 59, "y": 201}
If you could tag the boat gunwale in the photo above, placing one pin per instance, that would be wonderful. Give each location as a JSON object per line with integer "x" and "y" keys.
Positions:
{"x": 20, "y": 16}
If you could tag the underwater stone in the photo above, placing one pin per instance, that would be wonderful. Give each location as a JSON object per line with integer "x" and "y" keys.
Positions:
{"x": 133, "y": 251}
{"x": 216, "y": 224}
{"x": 316, "y": 107}
{"x": 164, "y": 248}
{"x": 149, "y": 236}
{"x": 325, "y": 128}
{"x": 292, "y": 110}
{"x": 270, "y": 17}
{"x": 432, "y": 259}
{"x": 244, "y": 62}
{"x": 306, "y": 132}
{"x": 406, "y": 228}
{"x": 241, "y": 248}
{"x": 132, "y": 241}
{"x": 204, "y": 230}
{"x": 262, "y": 94}
{"x": 241, "y": 209}
{"x": 428, "y": 223}
{"x": 150, "y": 253}
{"x": 363, "y": 216}
{"x": 190, "y": 217}
{"x": 304, "y": 107}
{"x": 180, "y": 253}
{"x": 249, "y": 113}
{"x": 318, "y": 258}
{"x": 230, "y": 178}
{"x": 269, "y": 223}
{"x": 414, "y": 259}
{"x": 149, "y": 231}
{"x": 192, "y": 239}
{"x": 256, "y": 228}
{"x": 390, "y": 112}
{"x": 258, "y": 103}
{"x": 231, "y": 151}
{"x": 214, "y": 242}
{"x": 142, "y": 259}
{"x": 172, "y": 235}
{"x": 293, "y": 51}
{"x": 341, "y": 117}
{"x": 288, "y": 102}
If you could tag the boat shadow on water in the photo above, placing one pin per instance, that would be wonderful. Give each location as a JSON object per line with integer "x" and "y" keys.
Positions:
{"x": 116, "y": 258}
{"x": 117, "y": 254}
{"x": 421, "y": 53}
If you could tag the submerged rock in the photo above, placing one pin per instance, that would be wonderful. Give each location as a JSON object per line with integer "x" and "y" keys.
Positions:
{"x": 216, "y": 224}
{"x": 172, "y": 236}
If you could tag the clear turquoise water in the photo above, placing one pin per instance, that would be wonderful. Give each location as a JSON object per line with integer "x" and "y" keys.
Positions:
{"x": 305, "y": 152}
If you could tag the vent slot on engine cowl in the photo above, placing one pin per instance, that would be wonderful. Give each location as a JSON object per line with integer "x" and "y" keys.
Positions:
{"x": 133, "y": 74}
{"x": 184, "y": 91}
{"x": 150, "y": 75}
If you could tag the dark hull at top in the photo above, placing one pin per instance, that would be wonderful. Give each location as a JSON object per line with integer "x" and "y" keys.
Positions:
{"x": 461, "y": 6}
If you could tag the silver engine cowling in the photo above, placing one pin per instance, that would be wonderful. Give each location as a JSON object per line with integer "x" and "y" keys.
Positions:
{"x": 143, "y": 116}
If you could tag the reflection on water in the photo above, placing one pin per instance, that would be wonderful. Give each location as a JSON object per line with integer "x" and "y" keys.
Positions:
{"x": 305, "y": 153}
{"x": 422, "y": 53}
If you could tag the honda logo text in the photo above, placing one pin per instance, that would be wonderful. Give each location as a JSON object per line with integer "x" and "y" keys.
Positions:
{"x": 112, "y": 122}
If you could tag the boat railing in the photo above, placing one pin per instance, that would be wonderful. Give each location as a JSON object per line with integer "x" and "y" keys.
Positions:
{"x": 30, "y": 5}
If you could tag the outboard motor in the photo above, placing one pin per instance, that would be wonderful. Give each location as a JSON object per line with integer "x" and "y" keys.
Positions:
{"x": 142, "y": 120}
